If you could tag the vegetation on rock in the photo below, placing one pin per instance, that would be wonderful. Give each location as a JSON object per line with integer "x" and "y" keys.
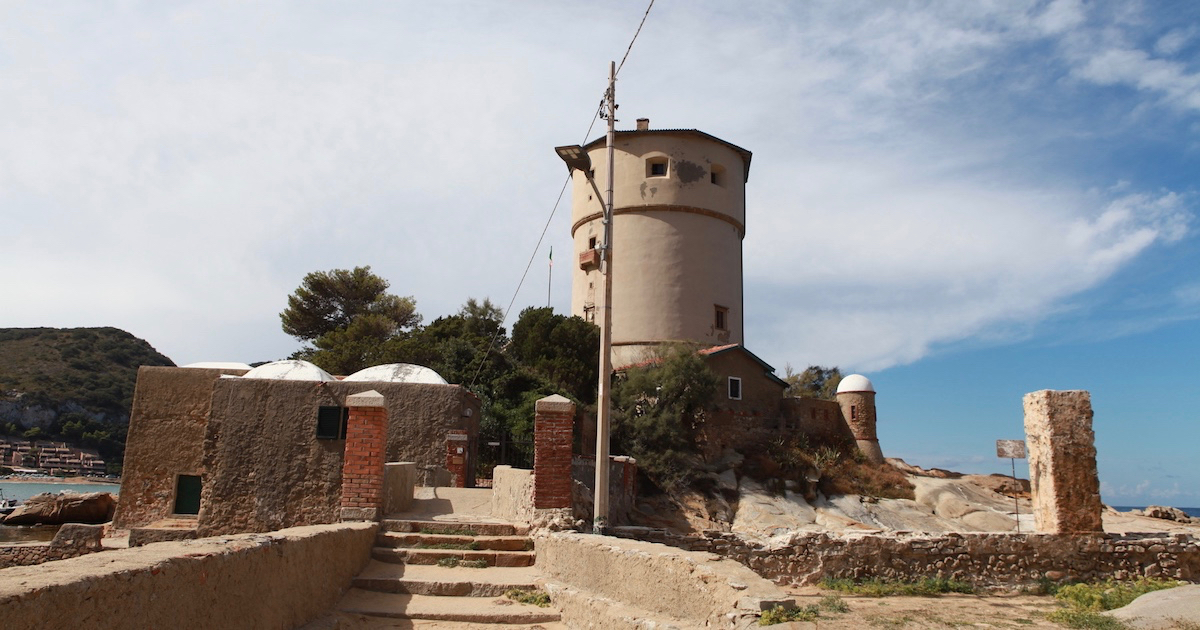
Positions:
{"x": 73, "y": 385}
{"x": 1085, "y": 602}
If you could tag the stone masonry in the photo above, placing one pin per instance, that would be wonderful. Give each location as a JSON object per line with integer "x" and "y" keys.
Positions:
{"x": 554, "y": 421}
{"x": 72, "y": 540}
{"x": 362, "y": 466}
{"x": 986, "y": 560}
{"x": 1062, "y": 462}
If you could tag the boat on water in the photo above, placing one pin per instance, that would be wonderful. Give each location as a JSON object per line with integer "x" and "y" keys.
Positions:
{"x": 6, "y": 505}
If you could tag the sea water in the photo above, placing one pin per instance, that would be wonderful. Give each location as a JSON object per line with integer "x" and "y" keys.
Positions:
{"x": 23, "y": 490}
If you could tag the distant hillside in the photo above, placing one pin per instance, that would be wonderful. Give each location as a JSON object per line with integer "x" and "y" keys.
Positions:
{"x": 71, "y": 384}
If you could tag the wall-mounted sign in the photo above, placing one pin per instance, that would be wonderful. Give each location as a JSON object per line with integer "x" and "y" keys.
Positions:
{"x": 1011, "y": 449}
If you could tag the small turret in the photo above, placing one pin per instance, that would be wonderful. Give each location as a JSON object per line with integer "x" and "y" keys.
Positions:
{"x": 856, "y": 396}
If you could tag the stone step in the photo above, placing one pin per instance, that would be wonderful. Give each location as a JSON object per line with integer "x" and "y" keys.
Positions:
{"x": 432, "y": 556}
{"x": 452, "y": 609}
{"x": 494, "y": 543}
{"x": 451, "y": 582}
{"x": 452, "y": 527}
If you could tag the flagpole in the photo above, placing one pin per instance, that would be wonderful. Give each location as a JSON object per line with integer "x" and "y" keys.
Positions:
{"x": 550, "y": 277}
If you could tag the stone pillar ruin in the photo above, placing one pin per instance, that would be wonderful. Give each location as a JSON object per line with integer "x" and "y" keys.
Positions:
{"x": 553, "y": 423}
{"x": 362, "y": 462}
{"x": 1062, "y": 462}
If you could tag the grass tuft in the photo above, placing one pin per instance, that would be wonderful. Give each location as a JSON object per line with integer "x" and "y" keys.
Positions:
{"x": 876, "y": 587}
{"x": 521, "y": 596}
{"x": 779, "y": 614}
{"x": 1085, "y": 602}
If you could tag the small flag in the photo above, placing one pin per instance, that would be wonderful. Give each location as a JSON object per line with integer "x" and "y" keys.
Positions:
{"x": 551, "y": 255}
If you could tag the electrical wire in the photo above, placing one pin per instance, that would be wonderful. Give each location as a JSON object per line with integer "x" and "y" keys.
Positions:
{"x": 557, "y": 202}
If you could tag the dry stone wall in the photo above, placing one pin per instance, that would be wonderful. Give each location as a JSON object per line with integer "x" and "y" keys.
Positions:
{"x": 983, "y": 559}
{"x": 72, "y": 540}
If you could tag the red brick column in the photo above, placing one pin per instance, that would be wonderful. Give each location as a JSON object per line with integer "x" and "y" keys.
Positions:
{"x": 362, "y": 461}
{"x": 456, "y": 456}
{"x": 552, "y": 425}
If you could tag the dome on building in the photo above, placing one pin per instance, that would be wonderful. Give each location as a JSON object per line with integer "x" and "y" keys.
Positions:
{"x": 398, "y": 373}
{"x": 855, "y": 383}
{"x": 289, "y": 370}
{"x": 219, "y": 365}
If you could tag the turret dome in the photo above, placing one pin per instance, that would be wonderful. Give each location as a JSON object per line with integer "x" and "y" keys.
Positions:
{"x": 855, "y": 383}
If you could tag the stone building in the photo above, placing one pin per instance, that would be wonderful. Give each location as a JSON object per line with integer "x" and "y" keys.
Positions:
{"x": 260, "y": 450}
{"x": 679, "y": 217}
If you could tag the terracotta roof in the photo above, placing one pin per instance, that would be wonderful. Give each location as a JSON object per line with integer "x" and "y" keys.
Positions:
{"x": 713, "y": 351}
{"x": 744, "y": 153}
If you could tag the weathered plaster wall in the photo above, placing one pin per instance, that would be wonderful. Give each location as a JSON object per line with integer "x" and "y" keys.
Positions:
{"x": 253, "y": 442}
{"x": 265, "y": 468}
{"x": 166, "y": 438}
{"x": 279, "y": 580}
{"x": 72, "y": 540}
{"x": 994, "y": 559}
{"x": 512, "y": 494}
{"x": 700, "y": 589}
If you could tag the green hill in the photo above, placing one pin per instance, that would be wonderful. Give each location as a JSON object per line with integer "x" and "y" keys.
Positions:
{"x": 71, "y": 384}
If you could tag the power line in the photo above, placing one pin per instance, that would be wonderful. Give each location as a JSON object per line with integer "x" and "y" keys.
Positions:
{"x": 635, "y": 36}
{"x": 557, "y": 202}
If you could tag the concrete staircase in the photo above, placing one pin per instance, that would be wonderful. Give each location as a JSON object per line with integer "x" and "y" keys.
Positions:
{"x": 404, "y": 580}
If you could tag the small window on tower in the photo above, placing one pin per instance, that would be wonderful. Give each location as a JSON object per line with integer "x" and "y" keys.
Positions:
{"x": 853, "y": 412}
{"x": 656, "y": 167}
{"x": 735, "y": 388}
{"x": 592, "y": 242}
{"x": 720, "y": 317}
{"x": 717, "y": 175}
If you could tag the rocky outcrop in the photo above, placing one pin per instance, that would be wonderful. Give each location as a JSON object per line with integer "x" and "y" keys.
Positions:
{"x": 1167, "y": 513}
{"x": 55, "y": 509}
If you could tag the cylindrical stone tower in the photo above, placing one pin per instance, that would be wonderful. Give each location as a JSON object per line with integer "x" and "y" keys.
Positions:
{"x": 856, "y": 395}
{"x": 679, "y": 208}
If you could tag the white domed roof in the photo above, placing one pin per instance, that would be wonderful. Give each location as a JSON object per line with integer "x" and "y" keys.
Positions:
{"x": 398, "y": 373}
{"x": 289, "y": 370}
{"x": 855, "y": 383}
{"x": 219, "y": 365}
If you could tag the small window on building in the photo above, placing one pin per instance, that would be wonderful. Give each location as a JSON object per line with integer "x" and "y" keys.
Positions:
{"x": 656, "y": 167}
{"x": 331, "y": 423}
{"x": 592, "y": 242}
{"x": 720, "y": 317}
{"x": 735, "y": 388}
{"x": 187, "y": 494}
{"x": 717, "y": 175}
{"x": 853, "y": 412}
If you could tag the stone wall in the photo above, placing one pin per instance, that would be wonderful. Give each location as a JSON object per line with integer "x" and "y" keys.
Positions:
{"x": 820, "y": 421}
{"x": 622, "y": 487}
{"x": 986, "y": 560}
{"x": 279, "y": 580}
{"x": 603, "y": 582}
{"x": 71, "y": 541}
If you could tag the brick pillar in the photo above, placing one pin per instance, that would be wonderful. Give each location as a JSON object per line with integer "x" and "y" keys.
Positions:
{"x": 553, "y": 422}
{"x": 362, "y": 462}
{"x": 456, "y": 456}
{"x": 1062, "y": 462}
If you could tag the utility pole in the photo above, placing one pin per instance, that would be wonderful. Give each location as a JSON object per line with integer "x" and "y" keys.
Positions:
{"x": 604, "y": 404}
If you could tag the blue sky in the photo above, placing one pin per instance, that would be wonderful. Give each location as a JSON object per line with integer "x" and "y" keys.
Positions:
{"x": 964, "y": 201}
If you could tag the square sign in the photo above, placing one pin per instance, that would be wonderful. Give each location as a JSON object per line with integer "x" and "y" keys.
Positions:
{"x": 1011, "y": 449}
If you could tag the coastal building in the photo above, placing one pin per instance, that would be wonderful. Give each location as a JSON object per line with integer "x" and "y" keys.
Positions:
{"x": 232, "y": 450}
{"x": 50, "y": 457}
{"x": 679, "y": 217}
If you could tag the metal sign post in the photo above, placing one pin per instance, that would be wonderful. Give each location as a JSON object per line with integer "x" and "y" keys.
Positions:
{"x": 1013, "y": 450}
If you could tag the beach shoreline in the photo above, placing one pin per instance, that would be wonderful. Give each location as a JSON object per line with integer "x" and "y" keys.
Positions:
{"x": 64, "y": 480}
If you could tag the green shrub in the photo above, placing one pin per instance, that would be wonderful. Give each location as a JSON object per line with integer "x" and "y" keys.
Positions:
{"x": 877, "y": 587}
{"x": 779, "y": 614}
{"x": 521, "y": 596}
{"x": 1109, "y": 594}
{"x": 834, "y": 604}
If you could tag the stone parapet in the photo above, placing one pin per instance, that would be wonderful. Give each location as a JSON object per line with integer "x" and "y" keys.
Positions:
{"x": 71, "y": 541}
{"x": 996, "y": 560}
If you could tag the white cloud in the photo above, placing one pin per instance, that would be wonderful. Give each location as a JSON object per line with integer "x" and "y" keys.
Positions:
{"x": 177, "y": 173}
